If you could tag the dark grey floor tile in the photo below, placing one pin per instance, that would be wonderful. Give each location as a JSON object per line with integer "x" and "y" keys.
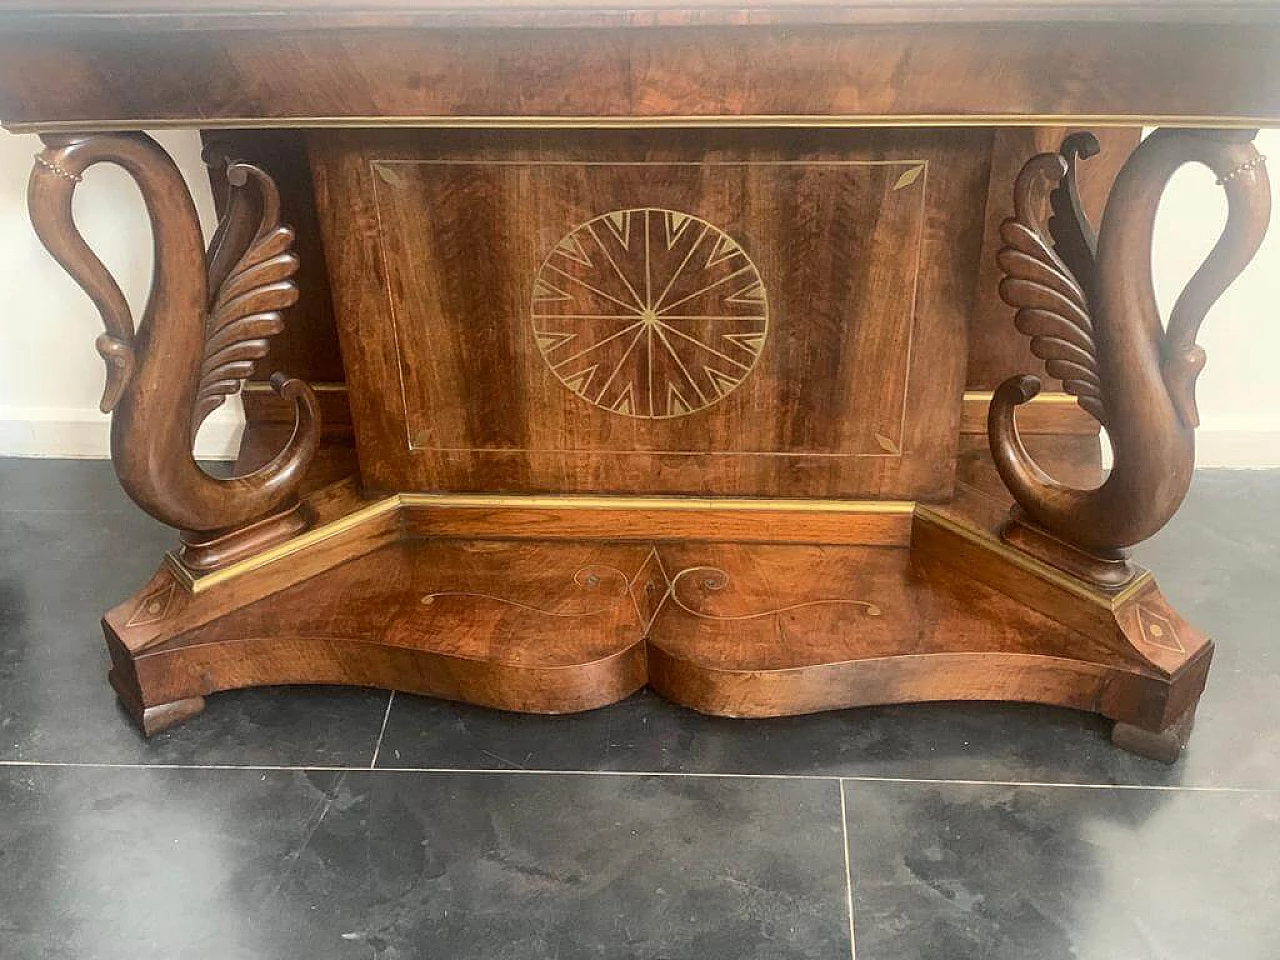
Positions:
{"x": 63, "y": 485}
{"x": 981, "y": 872}
{"x": 79, "y": 486}
{"x": 1218, "y": 564}
{"x": 58, "y": 574}
{"x": 129, "y": 863}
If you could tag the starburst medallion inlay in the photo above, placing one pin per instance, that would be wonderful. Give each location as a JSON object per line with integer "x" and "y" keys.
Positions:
{"x": 650, "y": 313}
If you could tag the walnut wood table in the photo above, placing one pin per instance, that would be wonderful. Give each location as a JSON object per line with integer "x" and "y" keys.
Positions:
{"x": 661, "y": 345}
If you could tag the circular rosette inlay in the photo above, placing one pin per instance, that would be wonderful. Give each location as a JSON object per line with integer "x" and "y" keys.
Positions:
{"x": 649, "y": 313}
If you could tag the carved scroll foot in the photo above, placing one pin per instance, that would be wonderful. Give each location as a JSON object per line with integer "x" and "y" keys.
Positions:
{"x": 208, "y": 551}
{"x": 1112, "y": 573}
{"x": 1165, "y": 745}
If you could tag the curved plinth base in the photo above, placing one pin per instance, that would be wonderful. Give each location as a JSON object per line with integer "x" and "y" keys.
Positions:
{"x": 553, "y": 625}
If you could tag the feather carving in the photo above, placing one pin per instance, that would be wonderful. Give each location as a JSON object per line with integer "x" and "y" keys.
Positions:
{"x": 250, "y": 270}
{"x": 1053, "y": 307}
{"x": 1074, "y": 238}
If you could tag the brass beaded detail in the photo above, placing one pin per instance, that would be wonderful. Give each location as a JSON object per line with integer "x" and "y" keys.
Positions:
{"x": 54, "y": 168}
{"x": 1256, "y": 162}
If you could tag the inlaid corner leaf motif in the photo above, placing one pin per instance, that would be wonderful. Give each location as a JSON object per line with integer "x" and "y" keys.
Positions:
{"x": 887, "y": 445}
{"x": 388, "y": 174}
{"x": 910, "y": 177}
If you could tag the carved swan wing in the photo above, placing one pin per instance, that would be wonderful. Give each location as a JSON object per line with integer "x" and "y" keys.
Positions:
{"x": 1053, "y": 307}
{"x": 1091, "y": 312}
{"x": 250, "y": 267}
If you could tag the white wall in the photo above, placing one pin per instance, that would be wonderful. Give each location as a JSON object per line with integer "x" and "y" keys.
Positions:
{"x": 1239, "y": 391}
{"x": 50, "y": 374}
{"x": 51, "y": 377}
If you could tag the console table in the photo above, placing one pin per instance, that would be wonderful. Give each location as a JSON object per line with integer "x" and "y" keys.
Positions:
{"x": 753, "y": 351}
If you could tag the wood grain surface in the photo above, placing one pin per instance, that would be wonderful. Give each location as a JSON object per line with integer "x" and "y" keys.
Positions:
{"x": 131, "y": 71}
{"x": 852, "y": 276}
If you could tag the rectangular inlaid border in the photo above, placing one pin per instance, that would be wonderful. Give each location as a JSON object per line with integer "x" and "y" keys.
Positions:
{"x": 396, "y": 321}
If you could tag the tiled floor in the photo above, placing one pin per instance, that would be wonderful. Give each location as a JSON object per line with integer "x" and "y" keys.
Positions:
{"x": 942, "y": 832}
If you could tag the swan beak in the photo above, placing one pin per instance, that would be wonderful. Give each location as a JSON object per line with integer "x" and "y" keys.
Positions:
{"x": 119, "y": 358}
{"x": 1180, "y": 374}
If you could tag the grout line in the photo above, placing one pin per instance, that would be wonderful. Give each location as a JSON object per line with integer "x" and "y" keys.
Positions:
{"x": 1165, "y": 788}
{"x": 848, "y": 872}
{"x": 382, "y": 732}
{"x": 820, "y": 778}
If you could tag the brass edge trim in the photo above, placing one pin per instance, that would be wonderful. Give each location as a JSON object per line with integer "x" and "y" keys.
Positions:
{"x": 588, "y": 502}
{"x": 198, "y": 583}
{"x": 1049, "y": 398}
{"x": 262, "y": 386}
{"x": 180, "y": 572}
{"x": 1110, "y": 601}
{"x": 538, "y": 122}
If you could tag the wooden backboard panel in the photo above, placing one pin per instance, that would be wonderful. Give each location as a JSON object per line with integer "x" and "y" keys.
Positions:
{"x": 746, "y": 313}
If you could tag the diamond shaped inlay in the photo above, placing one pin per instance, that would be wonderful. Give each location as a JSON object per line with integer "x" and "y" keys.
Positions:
{"x": 1158, "y": 630}
{"x": 154, "y": 606}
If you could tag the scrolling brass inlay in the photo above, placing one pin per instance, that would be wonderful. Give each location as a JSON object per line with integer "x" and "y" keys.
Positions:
{"x": 588, "y": 576}
{"x": 716, "y": 579}
{"x": 649, "y": 313}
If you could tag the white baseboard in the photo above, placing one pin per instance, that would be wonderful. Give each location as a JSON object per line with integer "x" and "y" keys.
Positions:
{"x": 1238, "y": 449}
{"x": 86, "y": 434}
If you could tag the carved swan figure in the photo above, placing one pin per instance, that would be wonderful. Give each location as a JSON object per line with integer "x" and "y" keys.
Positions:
{"x": 1093, "y": 318}
{"x": 207, "y": 320}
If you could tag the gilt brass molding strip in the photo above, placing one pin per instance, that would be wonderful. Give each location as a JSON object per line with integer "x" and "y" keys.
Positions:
{"x": 196, "y": 583}
{"x": 589, "y": 502}
{"x": 545, "y": 122}
{"x": 1110, "y": 601}
{"x": 1047, "y": 398}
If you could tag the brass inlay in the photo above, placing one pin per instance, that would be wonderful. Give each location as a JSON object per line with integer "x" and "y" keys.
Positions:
{"x": 693, "y": 504}
{"x": 1257, "y": 161}
{"x": 1045, "y": 399}
{"x": 57, "y": 170}
{"x": 588, "y": 576}
{"x": 261, "y": 386}
{"x": 541, "y": 122}
{"x": 153, "y": 607}
{"x": 196, "y": 582}
{"x": 1158, "y": 630}
{"x": 1111, "y": 601}
{"x": 649, "y": 313}
{"x": 583, "y": 379}
{"x": 717, "y": 579}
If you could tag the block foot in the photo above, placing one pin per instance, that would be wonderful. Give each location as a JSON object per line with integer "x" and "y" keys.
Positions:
{"x": 154, "y": 719}
{"x": 1165, "y": 745}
